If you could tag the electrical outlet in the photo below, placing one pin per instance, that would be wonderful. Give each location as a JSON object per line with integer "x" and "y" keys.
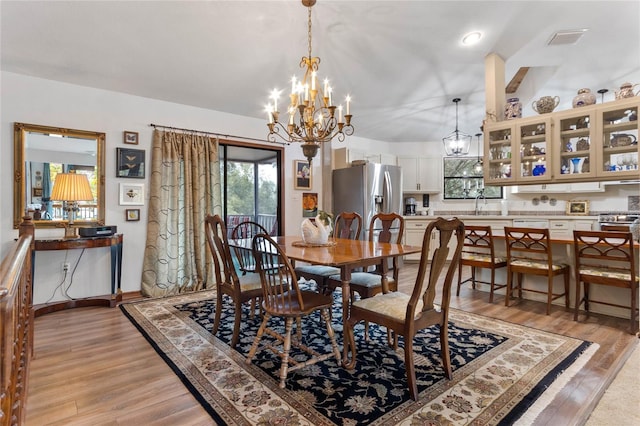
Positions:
{"x": 65, "y": 267}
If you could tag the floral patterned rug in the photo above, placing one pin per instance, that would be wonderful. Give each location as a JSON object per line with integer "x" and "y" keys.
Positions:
{"x": 502, "y": 373}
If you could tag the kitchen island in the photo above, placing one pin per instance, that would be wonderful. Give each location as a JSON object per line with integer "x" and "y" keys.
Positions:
{"x": 561, "y": 231}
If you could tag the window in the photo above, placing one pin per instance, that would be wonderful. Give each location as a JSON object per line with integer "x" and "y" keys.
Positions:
{"x": 252, "y": 185}
{"x": 461, "y": 182}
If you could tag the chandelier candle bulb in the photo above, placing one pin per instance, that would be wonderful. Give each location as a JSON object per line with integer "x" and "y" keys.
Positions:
{"x": 326, "y": 87}
{"x": 313, "y": 80}
{"x": 348, "y": 103}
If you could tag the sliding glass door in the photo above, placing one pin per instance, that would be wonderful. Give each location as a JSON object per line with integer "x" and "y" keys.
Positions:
{"x": 252, "y": 185}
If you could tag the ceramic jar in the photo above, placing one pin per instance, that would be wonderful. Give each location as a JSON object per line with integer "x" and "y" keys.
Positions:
{"x": 545, "y": 104}
{"x": 584, "y": 98}
{"x": 512, "y": 109}
{"x": 626, "y": 91}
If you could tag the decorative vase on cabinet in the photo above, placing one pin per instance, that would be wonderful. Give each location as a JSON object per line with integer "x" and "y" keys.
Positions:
{"x": 545, "y": 104}
{"x": 512, "y": 109}
{"x": 584, "y": 98}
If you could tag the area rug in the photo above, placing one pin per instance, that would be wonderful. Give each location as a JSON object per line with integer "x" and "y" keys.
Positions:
{"x": 503, "y": 373}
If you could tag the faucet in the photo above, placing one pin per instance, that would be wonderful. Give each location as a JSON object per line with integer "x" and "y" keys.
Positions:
{"x": 480, "y": 195}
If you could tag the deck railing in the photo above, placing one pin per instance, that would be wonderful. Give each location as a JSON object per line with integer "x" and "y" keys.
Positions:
{"x": 268, "y": 222}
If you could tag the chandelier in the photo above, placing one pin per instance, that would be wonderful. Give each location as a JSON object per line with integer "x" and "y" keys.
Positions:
{"x": 457, "y": 143}
{"x": 312, "y": 116}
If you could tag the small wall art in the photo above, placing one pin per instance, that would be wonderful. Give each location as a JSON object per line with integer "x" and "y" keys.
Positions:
{"x": 309, "y": 204}
{"x": 132, "y": 215}
{"x": 130, "y": 137}
{"x": 302, "y": 171}
{"x": 132, "y": 194}
{"x": 130, "y": 163}
{"x": 578, "y": 207}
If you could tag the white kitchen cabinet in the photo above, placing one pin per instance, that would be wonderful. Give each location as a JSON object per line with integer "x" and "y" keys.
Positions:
{"x": 560, "y": 229}
{"x": 413, "y": 235}
{"x": 559, "y": 188}
{"x": 388, "y": 159}
{"x": 421, "y": 175}
{"x": 342, "y": 157}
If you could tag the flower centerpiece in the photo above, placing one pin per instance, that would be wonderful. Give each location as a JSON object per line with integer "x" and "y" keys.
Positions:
{"x": 319, "y": 232}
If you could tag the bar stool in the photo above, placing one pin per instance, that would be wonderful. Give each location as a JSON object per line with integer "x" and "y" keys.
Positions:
{"x": 605, "y": 258}
{"x": 529, "y": 252}
{"x": 478, "y": 252}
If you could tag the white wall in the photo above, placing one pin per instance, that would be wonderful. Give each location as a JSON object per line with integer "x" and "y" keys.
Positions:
{"x": 38, "y": 101}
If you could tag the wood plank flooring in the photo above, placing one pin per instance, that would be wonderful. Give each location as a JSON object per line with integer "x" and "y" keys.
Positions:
{"x": 92, "y": 367}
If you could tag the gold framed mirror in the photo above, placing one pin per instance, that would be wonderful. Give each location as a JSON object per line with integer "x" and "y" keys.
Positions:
{"x": 40, "y": 153}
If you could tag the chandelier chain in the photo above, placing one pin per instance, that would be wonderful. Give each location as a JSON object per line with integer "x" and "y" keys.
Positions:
{"x": 309, "y": 32}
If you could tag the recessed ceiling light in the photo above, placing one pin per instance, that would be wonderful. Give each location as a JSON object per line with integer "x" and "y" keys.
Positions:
{"x": 471, "y": 38}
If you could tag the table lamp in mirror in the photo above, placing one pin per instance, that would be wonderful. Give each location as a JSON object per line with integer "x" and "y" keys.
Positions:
{"x": 71, "y": 188}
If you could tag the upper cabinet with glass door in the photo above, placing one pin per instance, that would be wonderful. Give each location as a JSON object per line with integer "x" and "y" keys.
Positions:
{"x": 618, "y": 130}
{"x": 587, "y": 144}
{"x": 574, "y": 148}
{"x": 498, "y": 147}
{"x": 517, "y": 151}
{"x": 533, "y": 143}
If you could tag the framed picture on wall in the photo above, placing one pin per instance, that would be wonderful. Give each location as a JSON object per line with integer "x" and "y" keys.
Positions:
{"x": 130, "y": 137}
{"x": 309, "y": 204}
{"x": 302, "y": 172}
{"x": 578, "y": 207}
{"x": 131, "y": 194}
{"x": 132, "y": 215}
{"x": 130, "y": 163}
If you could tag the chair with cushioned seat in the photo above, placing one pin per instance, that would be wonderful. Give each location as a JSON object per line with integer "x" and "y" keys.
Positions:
{"x": 347, "y": 225}
{"x": 406, "y": 315}
{"x": 478, "y": 252}
{"x": 383, "y": 228}
{"x": 606, "y": 258}
{"x": 239, "y": 289}
{"x": 283, "y": 298}
{"x": 529, "y": 252}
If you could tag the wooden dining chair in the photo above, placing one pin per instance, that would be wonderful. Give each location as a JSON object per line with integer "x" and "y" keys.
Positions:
{"x": 616, "y": 228}
{"x": 529, "y": 252}
{"x": 383, "y": 228}
{"x": 406, "y": 315}
{"x": 283, "y": 298}
{"x": 347, "y": 225}
{"x": 239, "y": 289}
{"x": 605, "y": 258}
{"x": 246, "y": 230}
{"x": 478, "y": 252}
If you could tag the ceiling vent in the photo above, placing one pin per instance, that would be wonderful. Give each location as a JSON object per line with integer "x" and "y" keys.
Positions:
{"x": 566, "y": 37}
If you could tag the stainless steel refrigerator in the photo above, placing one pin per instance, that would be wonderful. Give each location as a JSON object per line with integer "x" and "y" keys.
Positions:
{"x": 367, "y": 189}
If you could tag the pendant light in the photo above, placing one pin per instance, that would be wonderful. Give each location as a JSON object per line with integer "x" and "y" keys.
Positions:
{"x": 457, "y": 143}
{"x": 477, "y": 168}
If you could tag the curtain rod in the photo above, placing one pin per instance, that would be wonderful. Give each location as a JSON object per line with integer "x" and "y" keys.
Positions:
{"x": 215, "y": 134}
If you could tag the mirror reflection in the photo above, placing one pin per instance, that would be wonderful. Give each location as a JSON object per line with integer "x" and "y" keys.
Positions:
{"x": 45, "y": 152}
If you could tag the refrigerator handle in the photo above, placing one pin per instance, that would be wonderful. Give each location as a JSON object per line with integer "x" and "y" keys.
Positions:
{"x": 387, "y": 192}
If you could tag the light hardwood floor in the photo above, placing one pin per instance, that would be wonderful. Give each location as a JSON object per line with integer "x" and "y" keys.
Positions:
{"x": 92, "y": 367}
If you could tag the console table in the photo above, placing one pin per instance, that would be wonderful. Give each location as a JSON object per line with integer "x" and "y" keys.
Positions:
{"x": 110, "y": 300}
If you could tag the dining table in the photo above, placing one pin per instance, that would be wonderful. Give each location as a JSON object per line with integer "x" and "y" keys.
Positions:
{"x": 342, "y": 253}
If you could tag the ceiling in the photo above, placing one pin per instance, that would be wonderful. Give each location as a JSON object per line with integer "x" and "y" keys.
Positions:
{"x": 401, "y": 61}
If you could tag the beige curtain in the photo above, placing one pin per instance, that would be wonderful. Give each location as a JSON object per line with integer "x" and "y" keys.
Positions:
{"x": 185, "y": 187}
